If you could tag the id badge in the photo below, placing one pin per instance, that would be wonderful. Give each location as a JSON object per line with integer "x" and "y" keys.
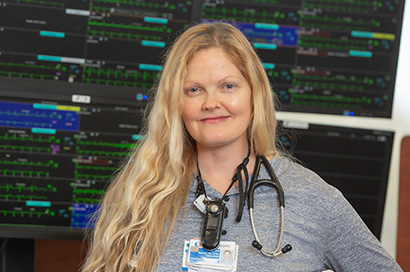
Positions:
{"x": 196, "y": 258}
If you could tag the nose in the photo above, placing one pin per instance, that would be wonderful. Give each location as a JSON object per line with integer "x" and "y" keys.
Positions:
{"x": 211, "y": 103}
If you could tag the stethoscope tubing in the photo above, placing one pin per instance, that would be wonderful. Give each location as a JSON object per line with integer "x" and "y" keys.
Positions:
{"x": 275, "y": 184}
{"x": 277, "y": 251}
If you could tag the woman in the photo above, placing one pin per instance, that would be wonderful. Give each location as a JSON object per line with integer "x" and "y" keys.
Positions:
{"x": 213, "y": 116}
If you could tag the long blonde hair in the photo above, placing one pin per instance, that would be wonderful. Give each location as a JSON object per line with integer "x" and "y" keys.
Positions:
{"x": 141, "y": 204}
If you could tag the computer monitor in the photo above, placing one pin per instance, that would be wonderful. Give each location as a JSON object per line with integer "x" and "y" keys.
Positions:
{"x": 354, "y": 160}
{"x": 325, "y": 57}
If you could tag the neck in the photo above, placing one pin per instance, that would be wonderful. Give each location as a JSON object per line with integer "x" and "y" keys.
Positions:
{"x": 218, "y": 165}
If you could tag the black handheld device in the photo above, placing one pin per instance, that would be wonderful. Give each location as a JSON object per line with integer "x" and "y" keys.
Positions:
{"x": 211, "y": 234}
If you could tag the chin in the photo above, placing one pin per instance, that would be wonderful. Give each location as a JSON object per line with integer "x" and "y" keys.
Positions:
{"x": 215, "y": 142}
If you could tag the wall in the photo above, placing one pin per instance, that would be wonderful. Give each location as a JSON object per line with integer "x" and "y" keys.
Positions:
{"x": 399, "y": 123}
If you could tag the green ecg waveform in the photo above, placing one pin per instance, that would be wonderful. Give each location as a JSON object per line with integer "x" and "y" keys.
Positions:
{"x": 31, "y": 188}
{"x": 161, "y": 29}
{"x": 324, "y": 85}
{"x": 334, "y": 43}
{"x": 365, "y": 80}
{"x": 30, "y": 163}
{"x": 243, "y": 15}
{"x": 337, "y": 22}
{"x": 24, "y": 173}
{"x": 356, "y": 3}
{"x": 341, "y": 20}
{"x": 31, "y": 214}
{"x": 103, "y": 153}
{"x": 119, "y": 73}
{"x": 50, "y": 3}
{"x": 99, "y": 168}
{"x": 86, "y": 191}
{"x": 339, "y": 8}
{"x": 106, "y": 144}
{"x": 31, "y": 138}
{"x": 91, "y": 176}
{"x": 86, "y": 200}
{"x": 121, "y": 35}
{"x": 329, "y": 101}
{"x": 57, "y": 67}
{"x": 139, "y": 4}
{"x": 25, "y": 148}
{"x": 22, "y": 197}
{"x": 83, "y": 145}
{"x": 30, "y": 75}
{"x": 259, "y": 1}
{"x": 332, "y": 82}
{"x": 117, "y": 82}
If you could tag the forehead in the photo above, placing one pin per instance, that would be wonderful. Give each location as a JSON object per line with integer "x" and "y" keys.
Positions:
{"x": 209, "y": 54}
{"x": 211, "y": 61}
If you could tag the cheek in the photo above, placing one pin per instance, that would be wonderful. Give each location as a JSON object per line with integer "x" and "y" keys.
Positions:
{"x": 188, "y": 114}
{"x": 241, "y": 106}
{"x": 189, "y": 126}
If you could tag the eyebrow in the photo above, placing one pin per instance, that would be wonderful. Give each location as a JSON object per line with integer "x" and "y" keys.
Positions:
{"x": 219, "y": 81}
{"x": 227, "y": 77}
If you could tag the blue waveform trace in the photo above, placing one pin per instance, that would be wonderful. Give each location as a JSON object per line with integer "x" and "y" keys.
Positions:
{"x": 267, "y": 33}
{"x": 26, "y": 115}
{"x": 282, "y": 36}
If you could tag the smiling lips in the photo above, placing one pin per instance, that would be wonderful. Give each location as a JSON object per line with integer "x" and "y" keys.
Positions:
{"x": 215, "y": 120}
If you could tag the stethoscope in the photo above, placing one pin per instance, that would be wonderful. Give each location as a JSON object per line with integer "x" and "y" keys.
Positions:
{"x": 275, "y": 184}
{"x": 215, "y": 210}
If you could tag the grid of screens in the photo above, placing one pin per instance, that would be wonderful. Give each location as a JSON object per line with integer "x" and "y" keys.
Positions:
{"x": 75, "y": 76}
{"x": 356, "y": 161}
{"x": 325, "y": 57}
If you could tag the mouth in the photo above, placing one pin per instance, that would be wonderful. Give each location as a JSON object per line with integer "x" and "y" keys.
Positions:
{"x": 214, "y": 120}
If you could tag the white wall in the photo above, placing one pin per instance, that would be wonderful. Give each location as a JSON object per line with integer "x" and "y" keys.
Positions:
{"x": 399, "y": 123}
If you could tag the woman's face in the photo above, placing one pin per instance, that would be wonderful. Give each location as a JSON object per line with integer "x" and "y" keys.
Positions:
{"x": 217, "y": 100}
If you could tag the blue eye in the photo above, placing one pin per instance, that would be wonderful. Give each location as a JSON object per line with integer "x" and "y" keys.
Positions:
{"x": 229, "y": 86}
{"x": 192, "y": 90}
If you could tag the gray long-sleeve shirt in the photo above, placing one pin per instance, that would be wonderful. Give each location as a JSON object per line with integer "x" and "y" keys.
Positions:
{"x": 322, "y": 227}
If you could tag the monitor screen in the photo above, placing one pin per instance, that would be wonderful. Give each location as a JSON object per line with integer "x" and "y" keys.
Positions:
{"x": 56, "y": 160}
{"x": 325, "y": 57}
{"x": 356, "y": 161}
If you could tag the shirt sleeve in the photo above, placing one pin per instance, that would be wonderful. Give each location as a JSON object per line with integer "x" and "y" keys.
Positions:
{"x": 350, "y": 244}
